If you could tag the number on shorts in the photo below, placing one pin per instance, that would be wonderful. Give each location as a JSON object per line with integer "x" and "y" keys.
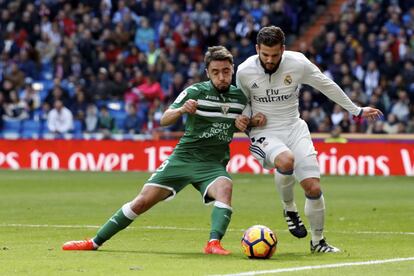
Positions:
{"x": 260, "y": 140}
{"x": 160, "y": 169}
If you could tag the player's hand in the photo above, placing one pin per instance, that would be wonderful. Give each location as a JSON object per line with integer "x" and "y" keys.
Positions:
{"x": 241, "y": 122}
{"x": 190, "y": 106}
{"x": 258, "y": 120}
{"x": 371, "y": 114}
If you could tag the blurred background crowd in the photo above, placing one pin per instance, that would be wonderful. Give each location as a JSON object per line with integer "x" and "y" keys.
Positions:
{"x": 112, "y": 67}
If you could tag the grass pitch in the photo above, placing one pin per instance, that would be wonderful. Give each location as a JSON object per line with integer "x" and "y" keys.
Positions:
{"x": 369, "y": 218}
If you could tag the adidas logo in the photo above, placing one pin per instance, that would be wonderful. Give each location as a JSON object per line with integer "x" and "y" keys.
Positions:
{"x": 255, "y": 86}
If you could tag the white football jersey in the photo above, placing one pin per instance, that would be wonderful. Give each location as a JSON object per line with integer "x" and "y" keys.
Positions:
{"x": 277, "y": 95}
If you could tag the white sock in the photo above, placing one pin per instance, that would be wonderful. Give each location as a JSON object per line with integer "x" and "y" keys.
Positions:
{"x": 126, "y": 209}
{"x": 285, "y": 184}
{"x": 95, "y": 245}
{"x": 315, "y": 212}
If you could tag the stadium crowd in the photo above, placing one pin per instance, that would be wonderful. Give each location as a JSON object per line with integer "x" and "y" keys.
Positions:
{"x": 102, "y": 66}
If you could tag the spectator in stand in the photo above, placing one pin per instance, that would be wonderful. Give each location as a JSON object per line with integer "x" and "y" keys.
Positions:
{"x": 306, "y": 101}
{"x": 155, "y": 112}
{"x": 371, "y": 79}
{"x": 152, "y": 89}
{"x": 31, "y": 97}
{"x": 16, "y": 109}
{"x": 27, "y": 65}
{"x": 58, "y": 93}
{"x": 278, "y": 17}
{"x": 61, "y": 67}
{"x": 346, "y": 123}
{"x": 152, "y": 54}
{"x": 144, "y": 35}
{"x": 177, "y": 86}
{"x": 391, "y": 125}
{"x": 167, "y": 76}
{"x": 6, "y": 88}
{"x": 401, "y": 107}
{"x": 106, "y": 123}
{"x": 15, "y": 76}
{"x": 101, "y": 89}
{"x": 337, "y": 114}
{"x": 86, "y": 46}
{"x": 91, "y": 119}
{"x": 306, "y": 116}
{"x": 133, "y": 121}
{"x": 59, "y": 119}
{"x": 389, "y": 68}
{"x": 246, "y": 27}
{"x": 45, "y": 49}
{"x": 201, "y": 16}
{"x": 79, "y": 106}
{"x": 120, "y": 86}
{"x": 42, "y": 114}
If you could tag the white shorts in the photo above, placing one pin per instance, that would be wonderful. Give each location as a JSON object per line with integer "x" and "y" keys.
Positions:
{"x": 267, "y": 144}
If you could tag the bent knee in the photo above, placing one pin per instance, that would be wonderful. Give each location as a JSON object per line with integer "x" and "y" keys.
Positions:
{"x": 312, "y": 187}
{"x": 285, "y": 161}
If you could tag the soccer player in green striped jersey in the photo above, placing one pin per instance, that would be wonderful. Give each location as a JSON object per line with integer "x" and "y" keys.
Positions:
{"x": 200, "y": 157}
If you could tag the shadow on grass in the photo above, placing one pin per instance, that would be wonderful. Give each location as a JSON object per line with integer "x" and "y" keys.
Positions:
{"x": 198, "y": 255}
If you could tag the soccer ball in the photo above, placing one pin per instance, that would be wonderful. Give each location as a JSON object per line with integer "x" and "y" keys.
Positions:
{"x": 259, "y": 242}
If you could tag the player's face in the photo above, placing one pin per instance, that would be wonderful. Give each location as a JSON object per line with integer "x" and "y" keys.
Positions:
{"x": 270, "y": 56}
{"x": 220, "y": 72}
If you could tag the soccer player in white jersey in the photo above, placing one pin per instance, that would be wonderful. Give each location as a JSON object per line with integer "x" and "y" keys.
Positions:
{"x": 279, "y": 138}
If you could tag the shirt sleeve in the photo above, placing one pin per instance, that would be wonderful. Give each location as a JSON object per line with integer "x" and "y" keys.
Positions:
{"x": 315, "y": 78}
{"x": 188, "y": 93}
{"x": 241, "y": 84}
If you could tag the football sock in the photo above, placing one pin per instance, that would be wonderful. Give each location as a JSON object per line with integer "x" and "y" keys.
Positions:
{"x": 315, "y": 212}
{"x": 285, "y": 183}
{"x": 220, "y": 219}
{"x": 120, "y": 220}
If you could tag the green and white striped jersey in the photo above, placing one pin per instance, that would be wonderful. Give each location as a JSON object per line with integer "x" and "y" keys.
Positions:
{"x": 209, "y": 131}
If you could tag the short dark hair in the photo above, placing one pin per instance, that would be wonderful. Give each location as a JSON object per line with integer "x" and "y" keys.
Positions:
{"x": 217, "y": 53}
{"x": 270, "y": 36}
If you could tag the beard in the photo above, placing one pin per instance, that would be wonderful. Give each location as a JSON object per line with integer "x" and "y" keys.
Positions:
{"x": 265, "y": 66}
{"x": 222, "y": 89}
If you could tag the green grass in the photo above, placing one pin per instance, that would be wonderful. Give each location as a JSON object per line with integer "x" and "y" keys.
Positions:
{"x": 370, "y": 218}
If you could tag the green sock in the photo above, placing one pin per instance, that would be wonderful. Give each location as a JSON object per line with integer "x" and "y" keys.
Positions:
{"x": 115, "y": 224}
{"x": 220, "y": 219}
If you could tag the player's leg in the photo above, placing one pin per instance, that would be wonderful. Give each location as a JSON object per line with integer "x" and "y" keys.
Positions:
{"x": 308, "y": 174}
{"x": 162, "y": 185}
{"x": 272, "y": 152}
{"x": 285, "y": 181}
{"x": 148, "y": 197}
{"x": 221, "y": 191}
{"x": 315, "y": 212}
{"x": 215, "y": 185}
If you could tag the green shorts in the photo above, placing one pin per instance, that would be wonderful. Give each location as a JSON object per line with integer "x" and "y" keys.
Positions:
{"x": 175, "y": 174}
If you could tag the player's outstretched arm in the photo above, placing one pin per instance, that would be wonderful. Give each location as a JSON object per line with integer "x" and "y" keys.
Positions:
{"x": 371, "y": 114}
{"x": 171, "y": 115}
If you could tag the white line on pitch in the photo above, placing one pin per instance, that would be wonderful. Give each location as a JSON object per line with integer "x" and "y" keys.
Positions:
{"x": 184, "y": 228}
{"x": 299, "y": 268}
